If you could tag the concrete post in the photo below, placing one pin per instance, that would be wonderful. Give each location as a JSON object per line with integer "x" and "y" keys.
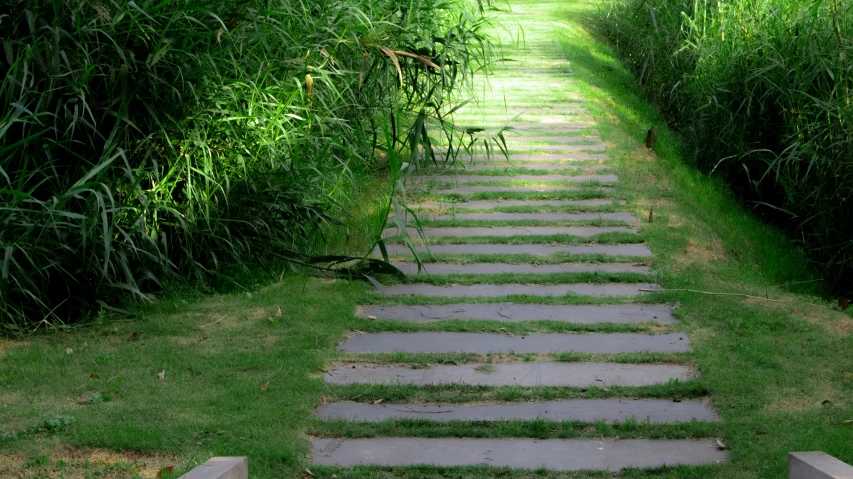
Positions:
{"x": 817, "y": 465}
{"x": 221, "y": 468}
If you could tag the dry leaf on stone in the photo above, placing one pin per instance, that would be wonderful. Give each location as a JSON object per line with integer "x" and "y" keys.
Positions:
{"x": 720, "y": 444}
{"x": 165, "y": 470}
{"x": 371, "y": 317}
{"x": 162, "y": 375}
{"x": 265, "y": 385}
{"x": 378, "y": 401}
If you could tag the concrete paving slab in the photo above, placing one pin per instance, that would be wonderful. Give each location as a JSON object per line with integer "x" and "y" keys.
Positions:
{"x": 467, "y": 190}
{"x": 518, "y": 312}
{"x": 459, "y": 179}
{"x": 533, "y": 147}
{"x": 429, "y": 342}
{"x": 532, "y": 249}
{"x": 551, "y": 454}
{"x": 518, "y": 157}
{"x": 489, "y": 204}
{"x": 499, "y": 216}
{"x": 498, "y": 268}
{"x": 659, "y": 411}
{"x": 508, "y": 231}
{"x": 522, "y": 165}
{"x": 513, "y": 374}
{"x": 496, "y": 290}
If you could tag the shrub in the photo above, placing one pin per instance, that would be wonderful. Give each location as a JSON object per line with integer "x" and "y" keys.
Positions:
{"x": 147, "y": 142}
{"x": 761, "y": 90}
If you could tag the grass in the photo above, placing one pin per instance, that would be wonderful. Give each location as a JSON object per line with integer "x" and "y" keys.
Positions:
{"x": 240, "y": 379}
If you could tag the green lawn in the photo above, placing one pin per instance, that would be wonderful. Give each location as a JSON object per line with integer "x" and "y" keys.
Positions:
{"x": 242, "y": 372}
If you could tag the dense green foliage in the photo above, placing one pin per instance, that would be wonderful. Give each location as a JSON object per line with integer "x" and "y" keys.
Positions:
{"x": 761, "y": 90}
{"x": 146, "y": 141}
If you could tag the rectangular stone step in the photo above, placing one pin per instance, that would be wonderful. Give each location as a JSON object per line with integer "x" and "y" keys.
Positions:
{"x": 467, "y": 190}
{"x": 519, "y": 312}
{"x": 508, "y": 231}
{"x": 498, "y": 268}
{"x": 654, "y": 411}
{"x": 531, "y": 147}
{"x": 499, "y": 216}
{"x": 460, "y": 179}
{"x": 489, "y": 204}
{"x": 532, "y": 374}
{"x": 531, "y": 249}
{"x": 496, "y": 290}
{"x": 552, "y": 454}
{"x": 518, "y": 157}
{"x": 428, "y": 342}
{"x": 519, "y": 166}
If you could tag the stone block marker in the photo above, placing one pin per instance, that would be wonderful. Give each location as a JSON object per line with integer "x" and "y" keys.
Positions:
{"x": 553, "y": 454}
{"x": 221, "y": 468}
{"x": 524, "y": 268}
{"x": 817, "y": 465}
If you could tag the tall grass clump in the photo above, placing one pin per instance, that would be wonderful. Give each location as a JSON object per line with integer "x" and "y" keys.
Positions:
{"x": 147, "y": 142}
{"x": 761, "y": 90}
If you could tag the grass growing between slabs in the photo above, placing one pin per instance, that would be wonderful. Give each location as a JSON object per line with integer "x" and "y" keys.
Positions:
{"x": 238, "y": 378}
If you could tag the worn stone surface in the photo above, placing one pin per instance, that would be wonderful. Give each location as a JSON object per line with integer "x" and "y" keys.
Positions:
{"x": 552, "y": 454}
{"x": 518, "y": 158}
{"x": 508, "y": 231}
{"x": 523, "y": 165}
{"x": 458, "y": 179}
{"x": 428, "y": 342}
{"x": 516, "y": 312}
{"x": 498, "y": 268}
{"x": 499, "y": 216}
{"x": 441, "y": 152}
{"x": 584, "y": 410}
{"x": 489, "y": 204}
{"x": 533, "y": 249}
{"x": 467, "y": 190}
{"x": 513, "y": 374}
{"x": 496, "y": 290}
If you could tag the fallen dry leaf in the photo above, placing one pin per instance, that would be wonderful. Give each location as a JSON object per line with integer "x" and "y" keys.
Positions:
{"x": 334, "y": 476}
{"x": 720, "y": 444}
{"x": 848, "y": 377}
{"x": 94, "y": 376}
{"x": 378, "y": 401}
{"x": 165, "y": 470}
{"x": 371, "y": 317}
{"x": 308, "y": 471}
{"x": 843, "y": 304}
{"x": 265, "y": 386}
{"x": 69, "y": 351}
{"x": 162, "y": 375}
{"x": 278, "y": 311}
{"x": 849, "y": 421}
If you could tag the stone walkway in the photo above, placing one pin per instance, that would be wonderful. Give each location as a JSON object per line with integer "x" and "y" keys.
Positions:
{"x": 517, "y": 233}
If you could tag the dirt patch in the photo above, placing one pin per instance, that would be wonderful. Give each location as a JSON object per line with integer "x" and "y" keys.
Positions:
{"x": 8, "y": 344}
{"x": 67, "y": 462}
{"x": 644, "y": 154}
{"x": 696, "y": 252}
{"x": 674, "y": 221}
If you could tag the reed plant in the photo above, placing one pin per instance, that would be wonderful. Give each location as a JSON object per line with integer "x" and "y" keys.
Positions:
{"x": 144, "y": 143}
{"x": 761, "y": 90}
